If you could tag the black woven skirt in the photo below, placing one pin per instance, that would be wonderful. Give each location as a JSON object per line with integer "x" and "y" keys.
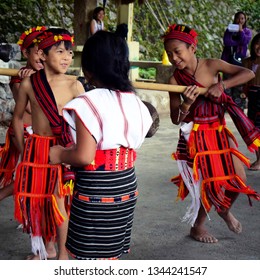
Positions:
{"x": 102, "y": 213}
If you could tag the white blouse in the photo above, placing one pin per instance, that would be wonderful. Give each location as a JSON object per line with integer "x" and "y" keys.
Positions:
{"x": 113, "y": 118}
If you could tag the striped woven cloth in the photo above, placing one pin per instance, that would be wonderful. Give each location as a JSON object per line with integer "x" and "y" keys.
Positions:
{"x": 102, "y": 213}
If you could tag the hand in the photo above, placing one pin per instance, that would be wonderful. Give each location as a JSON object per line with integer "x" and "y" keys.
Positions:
{"x": 55, "y": 154}
{"x": 190, "y": 94}
{"x": 240, "y": 27}
{"x": 26, "y": 72}
{"x": 214, "y": 92}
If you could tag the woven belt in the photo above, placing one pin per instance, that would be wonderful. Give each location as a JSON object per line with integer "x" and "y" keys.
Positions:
{"x": 113, "y": 160}
{"x": 107, "y": 199}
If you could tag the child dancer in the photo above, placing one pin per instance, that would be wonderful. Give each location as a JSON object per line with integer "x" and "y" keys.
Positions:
{"x": 39, "y": 189}
{"x": 109, "y": 123}
{"x": 210, "y": 165}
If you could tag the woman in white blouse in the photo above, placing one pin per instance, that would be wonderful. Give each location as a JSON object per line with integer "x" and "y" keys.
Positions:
{"x": 97, "y": 22}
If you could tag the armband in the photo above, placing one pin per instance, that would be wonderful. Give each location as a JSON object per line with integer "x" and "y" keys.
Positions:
{"x": 182, "y": 113}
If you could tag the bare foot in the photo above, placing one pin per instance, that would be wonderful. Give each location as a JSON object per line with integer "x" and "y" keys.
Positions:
{"x": 232, "y": 223}
{"x": 202, "y": 235}
{"x": 51, "y": 250}
{"x": 51, "y": 255}
{"x": 63, "y": 257}
{"x": 33, "y": 257}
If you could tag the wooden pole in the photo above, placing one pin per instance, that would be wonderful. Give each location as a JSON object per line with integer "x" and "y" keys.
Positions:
{"x": 139, "y": 85}
{"x": 164, "y": 87}
{"x": 8, "y": 72}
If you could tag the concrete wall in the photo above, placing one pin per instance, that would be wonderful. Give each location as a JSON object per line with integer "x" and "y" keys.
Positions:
{"x": 159, "y": 99}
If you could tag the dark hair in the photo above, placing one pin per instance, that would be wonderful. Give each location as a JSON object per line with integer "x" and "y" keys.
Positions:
{"x": 58, "y": 31}
{"x": 237, "y": 15}
{"x": 122, "y": 30}
{"x": 30, "y": 47}
{"x": 5, "y": 51}
{"x": 255, "y": 40}
{"x": 96, "y": 11}
{"x": 105, "y": 58}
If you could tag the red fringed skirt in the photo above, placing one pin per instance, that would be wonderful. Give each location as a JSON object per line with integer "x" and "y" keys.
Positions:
{"x": 35, "y": 184}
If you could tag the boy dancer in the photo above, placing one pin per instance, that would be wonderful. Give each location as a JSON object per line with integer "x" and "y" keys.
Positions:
{"x": 211, "y": 167}
{"x": 39, "y": 187}
{"x": 9, "y": 153}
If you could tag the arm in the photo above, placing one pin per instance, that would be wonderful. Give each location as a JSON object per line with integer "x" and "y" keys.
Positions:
{"x": 19, "y": 109}
{"x": 81, "y": 154}
{"x": 238, "y": 75}
{"x": 15, "y": 89}
{"x": 245, "y": 36}
{"x": 228, "y": 39}
{"x": 180, "y": 109}
{"x": 92, "y": 26}
{"x": 23, "y": 72}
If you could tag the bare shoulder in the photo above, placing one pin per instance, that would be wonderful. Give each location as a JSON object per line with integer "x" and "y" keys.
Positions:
{"x": 75, "y": 85}
{"x": 211, "y": 62}
{"x": 26, "y": 82}
{"x": 70, "y": 79}
{"x": 213, "y": 66}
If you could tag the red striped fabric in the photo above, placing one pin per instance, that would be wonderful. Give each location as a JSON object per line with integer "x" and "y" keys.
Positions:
{"x": 208, "y": 147}
{"x": 204, "y": 110}
{"x": 46, "y": 99}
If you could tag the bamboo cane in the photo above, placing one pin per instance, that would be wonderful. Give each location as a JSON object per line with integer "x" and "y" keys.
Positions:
{"x": 138, "y": 85}
{"x": 8, "y": 72}
{"x": 164, "y": 87}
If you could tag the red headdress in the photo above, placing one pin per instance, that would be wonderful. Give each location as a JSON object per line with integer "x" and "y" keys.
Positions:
{"x": 47, "y": 39}
{"x": 29, "y": 36}
{"x": 182, "y": 33}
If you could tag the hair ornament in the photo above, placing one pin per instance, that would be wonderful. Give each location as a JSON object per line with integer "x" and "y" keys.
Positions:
{"x": 29, "y": 36}
{"x": 182, "y": 33}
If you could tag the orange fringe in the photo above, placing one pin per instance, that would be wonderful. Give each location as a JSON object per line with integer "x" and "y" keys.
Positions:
{"x": 9, "y": 159}
{"x": 7, "y": 143}
{"x": 182, "y": 190}
{"x": 217, "y": 190}
{"x": 213, "y": 189}
{"x": 238, "y": 154}
{"x": 35, "y": 203}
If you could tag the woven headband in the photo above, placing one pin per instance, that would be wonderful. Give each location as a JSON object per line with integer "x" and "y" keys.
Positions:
{"x": 48, "y": 39}
{"x": 29, "y": 36}
{"x": 180, "y": 32}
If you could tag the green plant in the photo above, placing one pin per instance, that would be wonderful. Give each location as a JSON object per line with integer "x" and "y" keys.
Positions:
{"x": 209, "y": 17}
{"x": 147, "y": 73}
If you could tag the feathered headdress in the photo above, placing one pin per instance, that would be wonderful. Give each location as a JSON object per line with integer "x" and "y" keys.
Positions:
{"x": 29, "y": 36}
{"x": 47, "y": 39}
{"x": 182, "y": 33}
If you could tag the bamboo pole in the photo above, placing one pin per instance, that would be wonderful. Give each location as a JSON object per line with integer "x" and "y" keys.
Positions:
{"x": 164, "y": 87}
{"x": 8, "y": 72}
{"x": 138, "y": 85}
